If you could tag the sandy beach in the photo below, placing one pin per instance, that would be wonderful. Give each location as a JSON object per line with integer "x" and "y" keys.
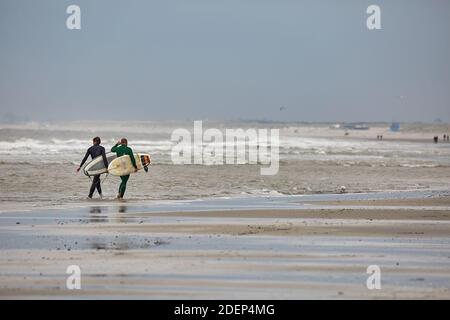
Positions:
{"x": 226, "y": 231}
{"x": 296, "y": 248}
{"x": 225, "y": 150}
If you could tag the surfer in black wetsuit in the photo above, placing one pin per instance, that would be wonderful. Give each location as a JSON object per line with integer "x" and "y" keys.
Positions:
{"x": 95, "y": 151}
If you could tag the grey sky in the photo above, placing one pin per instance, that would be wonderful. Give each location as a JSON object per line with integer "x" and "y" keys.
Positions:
{"x": 226, "y": 59}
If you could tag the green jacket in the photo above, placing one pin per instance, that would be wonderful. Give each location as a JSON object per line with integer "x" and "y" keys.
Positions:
{"x": 122, "y": 150}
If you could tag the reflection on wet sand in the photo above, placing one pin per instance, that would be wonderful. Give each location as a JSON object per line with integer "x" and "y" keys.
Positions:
{"x": 110, "y": 245}
{"x": 120, "y": 243}
{"x": 123, "y": 218}
{"x": 95, "y": 210}
{"x": 95, "y": 216}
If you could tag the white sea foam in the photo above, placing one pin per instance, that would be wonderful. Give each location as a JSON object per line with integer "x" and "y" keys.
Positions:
{"x": 40, "y": 143}
{"x": 66, "y": 143}
{"x": 39, "y": 162}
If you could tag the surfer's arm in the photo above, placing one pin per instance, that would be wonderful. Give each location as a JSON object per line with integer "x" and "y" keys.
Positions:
{"x": 85, "y": 158}
{"x": 114, "y": 149}
{"x": 133, "y": 161}
{"x": 105, "y": 161}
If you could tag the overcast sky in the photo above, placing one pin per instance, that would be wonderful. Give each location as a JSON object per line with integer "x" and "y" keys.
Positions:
{"x": 228, "y": 59}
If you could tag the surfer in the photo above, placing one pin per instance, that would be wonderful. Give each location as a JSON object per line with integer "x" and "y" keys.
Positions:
{"x": 121, "y": 148}
{"x": 94, "y": 151}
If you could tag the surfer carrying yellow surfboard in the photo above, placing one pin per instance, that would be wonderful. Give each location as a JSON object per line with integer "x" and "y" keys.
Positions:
{"x": 121, "y": 148}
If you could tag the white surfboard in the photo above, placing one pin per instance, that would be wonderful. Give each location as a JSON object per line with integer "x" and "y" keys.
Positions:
{"x": 96, "y": 166}
{"x": 122, "y": 166}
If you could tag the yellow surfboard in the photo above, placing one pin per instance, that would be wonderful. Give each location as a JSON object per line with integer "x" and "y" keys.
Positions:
{"x": 122, "y": 166}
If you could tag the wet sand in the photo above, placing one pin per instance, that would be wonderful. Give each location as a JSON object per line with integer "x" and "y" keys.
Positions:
{"x": 304, "y": 249}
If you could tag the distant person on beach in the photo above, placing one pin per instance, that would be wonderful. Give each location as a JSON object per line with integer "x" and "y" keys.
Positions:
{"x": 121, "y": 148}
{"x": 94, "y": 151}
{"x": 436, "y": 139}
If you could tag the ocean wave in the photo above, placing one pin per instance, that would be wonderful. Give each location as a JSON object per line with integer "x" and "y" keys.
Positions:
{"x": 290, "y": 148}
{"x": 13, "y": 162}
{"x": 410, "y": 165}
{"x": 71, "y": 146}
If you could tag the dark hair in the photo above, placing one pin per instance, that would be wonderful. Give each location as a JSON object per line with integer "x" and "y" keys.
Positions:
{"x": 97, "y": 140}
{"x": 124, "y": 141}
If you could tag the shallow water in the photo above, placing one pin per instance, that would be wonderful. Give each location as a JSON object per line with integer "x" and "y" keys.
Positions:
{"x": 38, "y": 162}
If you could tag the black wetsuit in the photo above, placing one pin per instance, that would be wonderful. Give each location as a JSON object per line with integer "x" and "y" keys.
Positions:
{"x": 95, "y": 151}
